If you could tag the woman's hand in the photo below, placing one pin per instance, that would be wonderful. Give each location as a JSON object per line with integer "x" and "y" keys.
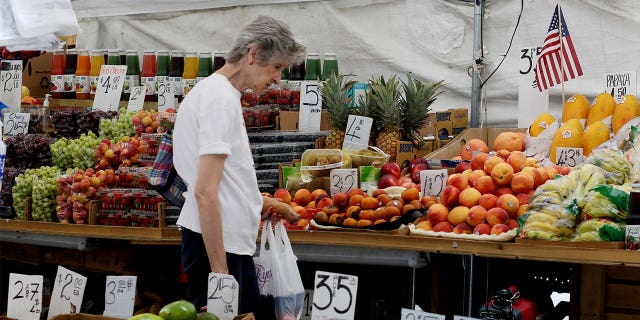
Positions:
{"x": 275, "y": 207}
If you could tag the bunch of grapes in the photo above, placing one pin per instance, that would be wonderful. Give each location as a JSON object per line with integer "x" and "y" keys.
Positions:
{"x": 76, "y": 153}
{"x": 29, "y": 150}
{"x": 8, "y": 181}
{"x": 116, "y": 129}
{"x": 45, "y": 189}
{"x": 22, "y": 190}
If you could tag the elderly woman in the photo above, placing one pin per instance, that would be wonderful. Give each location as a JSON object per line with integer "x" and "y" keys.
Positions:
{"x": 223, "y": 206}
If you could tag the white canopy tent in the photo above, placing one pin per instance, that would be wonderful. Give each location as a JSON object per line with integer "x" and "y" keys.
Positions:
{"x": 431, "y": 38}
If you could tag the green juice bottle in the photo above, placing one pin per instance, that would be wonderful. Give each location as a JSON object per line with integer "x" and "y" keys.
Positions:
{"x": 313, "y": 66}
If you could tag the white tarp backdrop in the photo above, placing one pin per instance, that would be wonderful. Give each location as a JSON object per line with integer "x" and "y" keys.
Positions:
{"x": 431, "y": 38}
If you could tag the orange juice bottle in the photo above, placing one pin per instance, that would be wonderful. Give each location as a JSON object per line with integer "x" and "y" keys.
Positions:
{"x": 97, "y": 60}
{"x": 190, "y": 71}
{"x": 83, "y": 71}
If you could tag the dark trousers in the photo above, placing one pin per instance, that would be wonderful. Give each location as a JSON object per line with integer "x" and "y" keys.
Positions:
{"x": 197, "y": 267}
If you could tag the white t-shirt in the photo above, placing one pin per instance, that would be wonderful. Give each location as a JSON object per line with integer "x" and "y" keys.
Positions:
{"x": 210, "y": 121}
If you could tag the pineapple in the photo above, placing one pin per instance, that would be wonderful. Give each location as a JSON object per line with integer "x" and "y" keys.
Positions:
{"x": 387, "y": 107}
{"x": 418, "y": 96}
{"x": 335, "y": 99}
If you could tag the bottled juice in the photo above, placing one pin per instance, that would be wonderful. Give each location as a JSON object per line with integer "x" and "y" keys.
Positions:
{"x": 190, "y": 72}
{"x": 329, "y": 65}
{"x": 133, "y": 73}
{"x": 285, "y": 73}
{"x": 123, "y": 56}
{"x": 83, "y": 71}
{"x": 175, "y": 74}
{"x": 97, "y": 60}
{"x": 205, "y": 65}
{"x": 313, "y": 66}
{"x": 113, "y": 58}
{"x": 70, "y": 64}
{"x": 218, "y": 60}
{"x": 632, "y": 235}
{"x": 297, "y": 72}
{"x": 148, "y": 74}
{"x": 57, "y": 74}
{"x": 162, "y": 72}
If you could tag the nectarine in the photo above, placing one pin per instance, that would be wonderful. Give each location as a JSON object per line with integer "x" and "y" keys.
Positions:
{"x": 469, "y": 197}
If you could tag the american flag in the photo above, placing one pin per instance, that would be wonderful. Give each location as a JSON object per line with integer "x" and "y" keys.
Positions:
{"x": 551, "y": 58}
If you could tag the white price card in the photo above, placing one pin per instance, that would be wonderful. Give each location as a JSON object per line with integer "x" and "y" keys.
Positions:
{"x": 222, "y": 295}
{"x": 310, "y": 107}
{"x": 15, "y": 123}
{"x": 136, "y": 98}
{"x": 165, "y": 94}
{"x": 531, "y": 102}
{"x": 68, "y": 290}
{"x": 408, "y": 314}
{"x": 432, "y": 182}
{"x": 620, "y": 84}
{"x": 569, "y": 157}
{"x": 119, "y": 296}
{"x": 11, "y": 82}
{"x": 343, "y": 180}
{"x": 110, "y": 83}
{"x": 464, "y": 318}
{"x": 25, "y": 296}
{"x": 356, "y": 137}
{"x": 334, "y": 296}
{"x": 308, "y": 304}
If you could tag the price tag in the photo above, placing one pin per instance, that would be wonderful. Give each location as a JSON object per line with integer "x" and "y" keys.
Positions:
{"x": 432, "y": 182}
{"x": 310, "y": 107}
{"x": 334, "y": 296}
{"x": 356, "y": 136}
{"x": 119, "y": 296}
{"x": 464, "y": 318}
{"x": 620, "y": 84}
{"x": 343, "y": 180}
{"x": 68, "y": 290}
{"x": 11, "y": 82}
{"x": 136, "y": 98}
{"x": 165, "y": 93}
{"x": 25, "y": 296}
{"x": 569, "y": 157}
{"x": 531, "y": 102}
{"x": 15, "y": 123}
{"x": 110, "y": 83}
{"x": 408, "y": 314}
{"x": 222, "y": 295}
{"x": 308, "y": 304}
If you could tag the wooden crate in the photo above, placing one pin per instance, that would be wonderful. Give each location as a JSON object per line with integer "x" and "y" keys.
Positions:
{"x": 452, "y": 149}
{"x": 609, "y": 292}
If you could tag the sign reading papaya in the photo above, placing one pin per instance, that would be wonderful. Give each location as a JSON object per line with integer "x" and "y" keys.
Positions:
{"x": 25, "y": 296}
{"x": 620, "y": 84}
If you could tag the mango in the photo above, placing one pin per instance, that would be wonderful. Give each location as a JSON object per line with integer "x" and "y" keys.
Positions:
{"x": 179, "y": 310}
{"x": 576, "y": 123}
{"x": 624, "y": 112}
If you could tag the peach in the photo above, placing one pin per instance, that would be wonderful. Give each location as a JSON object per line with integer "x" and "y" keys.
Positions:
{"x": 321, "y": 217}
{"x": 428, "y": 201}
{"x": 564, "y": 170}
{"x": 509, "y": 203}
{"x": 425, "y": 225}
{"x": 407, "y": 207}
{"x": 311, "y": 204}
{"x": 485, "y": 184}
{"x": 449, "y": 196}
{"x": 502, "y": 174}
{"x": 398, "y": 203}
{"x": 474, "y": 175}
{"x": 490, "y": 163}
{"x": 477, "y": 162}
{"x": 522, "y": 182}
{"x": 410, "y": 194}
{"x": 316, "y": 193}
{"x": 364, "y": 223}
{"x": 467, "y": 172}
{"x": 329, "y": 210}
{"x": 301, "y": 211}
{"x": 517, "y": 160}
{"x": 320, "y": 197}
{"x": 302, "y": 196}
{"x": 538, "y": 178}
{"x": 469, "y": 197}
{"x": 366, "y": 214}
{"x": 513, "y": 224}
{"x": 521, "y": 210}
{"x": 355, "y": 200}
{"x": 499, "y": 229}
{"x": 504, "y": 190}
{"x": 383, "y": 199}
{"x": 437, "y": 213}
{"x": 379, "y": 221}
{"x": 324, "y": 202}
{"x": 416, "y": 204}
{"x": 531, "y": 162}
{"x": 523, "y": 198}
{"x": 551, "y": 172}
{"x": 340, "y": 200}
{"x": 350, "y": 222}
{"x": 463, "y": 228}
{"x": 488, "y": 201}
{"x": 369, "y": 203}
{"x": 497, "y": 215}
{"x": 378, "y": 192}
{"x": 544, "y": 174}
{"x": 482, "y": 228}
{"x": 283, "y": 194}
{"x": 390, "y": 212}
{"x": 504, "y": 154}
{"x": 378, "y": 214}
{"x": 477, "y": 215}
{"x": 302, "y": 223}
{"x": 443, "y": 227}
{"x": 458, "y": 215}
{"x": 355, "y": 191}
{"x": 458, "y": 180}
{"x": 336, "y": 219}
{"x": 353, "y": 212}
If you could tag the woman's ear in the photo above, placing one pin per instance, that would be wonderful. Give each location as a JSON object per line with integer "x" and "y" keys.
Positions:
{"x": 251, "y": 55}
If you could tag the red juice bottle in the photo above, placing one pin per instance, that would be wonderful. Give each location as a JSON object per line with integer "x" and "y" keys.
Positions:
{"x": 70, "y": 64}
{"x": 148, "y": 74}
{"x": 83, "y": 70}
{"x": 57, "y": 74}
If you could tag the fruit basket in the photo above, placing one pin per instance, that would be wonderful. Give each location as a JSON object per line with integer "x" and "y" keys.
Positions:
{"x": 503, "y": 237}
{"x": 319, "y": 162}
{"x": 366, "y": 157}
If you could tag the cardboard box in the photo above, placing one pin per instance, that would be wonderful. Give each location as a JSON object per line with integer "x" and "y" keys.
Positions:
{"x": 459, "y": 120}
{"x": 429, "y": 129}
{"x": 451, "y": 148}
{"x": 36, "y": 75}
{"x": 407, "y": 151}
{"x": 444, "y": 126}
{"x": 289, "y": 120}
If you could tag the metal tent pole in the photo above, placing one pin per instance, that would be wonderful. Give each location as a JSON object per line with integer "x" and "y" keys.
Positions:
{"x": 476, "y": 93}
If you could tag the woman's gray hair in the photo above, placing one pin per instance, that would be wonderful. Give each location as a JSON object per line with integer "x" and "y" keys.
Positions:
{"x": 274, "y": 41}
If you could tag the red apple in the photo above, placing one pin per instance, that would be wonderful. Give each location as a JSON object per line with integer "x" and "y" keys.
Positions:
{"x": 462, "y": 166}
{"x": 388, "y": 180}
{"x": 415, "y": 171}
{"x": 390, "y": 168}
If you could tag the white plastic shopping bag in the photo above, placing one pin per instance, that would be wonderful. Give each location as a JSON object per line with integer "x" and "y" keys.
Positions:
{"x": 36, "y": 18}
{"x": 287, "y": 287}
{"x": 263, "y": 260}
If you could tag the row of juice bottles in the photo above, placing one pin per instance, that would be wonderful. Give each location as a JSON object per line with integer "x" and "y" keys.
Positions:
{"x": 74, "y": 74}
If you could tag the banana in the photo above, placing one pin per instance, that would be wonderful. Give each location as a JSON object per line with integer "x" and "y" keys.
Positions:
{"x": 565, "y": 232}
{"x": 541, "y": 217}
{"x": 541, "y": 226}
{"x": 545, "y": 200}
{"x": 590, "y": 226}
{"x": 539, "y": 235}
{"x": 586, "y": 236}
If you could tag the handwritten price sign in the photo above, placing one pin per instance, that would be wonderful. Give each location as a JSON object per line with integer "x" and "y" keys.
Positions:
{"x": 15, "y": 123}
{"x": 620, "y": 84}
{"x": 569, "y": 157}
{"x": 110, "y": 83}
{"x": 357, "y": 134}
{"x": 25, "y": 296}
{"x": 11, "y": 82}
{"x": 222, "y": 295}
{"x": 343, "y": 180}
{"x": 119, "y": 296}
{"x": 334, "y": 296}
{"x": 432, "y": 182}
{"x": 310, "y": 107}
{"x": 67, "y": 293}
{"x": 308, "y": 304}
{"x": 408, "y": 314}
{"x": 531, "y": 102}
{"x": 165, "y": 93}
{"x": 136, "y": 99}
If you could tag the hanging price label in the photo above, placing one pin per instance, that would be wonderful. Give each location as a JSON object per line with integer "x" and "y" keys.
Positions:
{"x": 531, "y": 102}
{"x": 569, "y": 157}
{"x": 408, "y": 314}
{"x": 334, "y": 296}
{"x": 15, "y": 123}
{"x": 356, "y": 137}
{"x": 222, "y": 295}
{"x": 310, "y": 107}
{"x": 136, "y": 98}
{"x": 432, "y": 182}
{"x": 620, "y": 84}
{"x": 308, "y": 304}
{"x": 343, "y": 180}
{"x": 11, "y": 82}
{"x": 25, "y": 296}
{"x": 110, "y": 83}
{"x": 68, "y": 290}
{"x": 165, "y": 93}
{"x": 119, "y": 296}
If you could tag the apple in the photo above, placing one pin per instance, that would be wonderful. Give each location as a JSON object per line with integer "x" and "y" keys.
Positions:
{"x": 390, "y": 168}
{"x": 462, "y": 166}
{"x": 415, "y": 171}
{"x": 388, "y": 180}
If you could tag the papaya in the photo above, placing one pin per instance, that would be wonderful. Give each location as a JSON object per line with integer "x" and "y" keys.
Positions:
{"x": 576, "y": 107}
{"x": 567, "y": 136}
{"x": 595, "y": 134}
{"x": 575, "y": 123}
{"x": 601, "y": 108}
{"x": 146, "y": 316}
{"x": 540, "y": 124}
{"x": 179, "y": 310}
{"x": 624, "y": 112}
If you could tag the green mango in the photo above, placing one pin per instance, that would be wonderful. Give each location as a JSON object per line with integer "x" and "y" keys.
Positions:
{"x": 179, "y": 310}
{"x": 146, "y": 316}
{"x": 207, "y": 316}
